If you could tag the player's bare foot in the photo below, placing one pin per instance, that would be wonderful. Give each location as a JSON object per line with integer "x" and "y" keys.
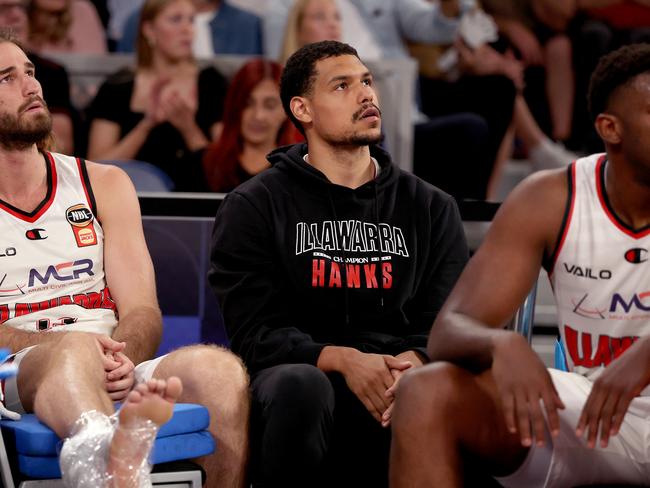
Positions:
{"x": 148, "y": 406}
{"x": 153, "y": 400}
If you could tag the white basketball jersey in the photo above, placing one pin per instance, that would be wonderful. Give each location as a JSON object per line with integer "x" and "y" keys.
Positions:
{"x": 52, "y": 259}
{"x": 600, "y": 274}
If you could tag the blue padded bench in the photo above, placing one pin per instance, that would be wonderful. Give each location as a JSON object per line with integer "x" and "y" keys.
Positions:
{"x": 178, "y": 331}
{"x": 36, "y": 446}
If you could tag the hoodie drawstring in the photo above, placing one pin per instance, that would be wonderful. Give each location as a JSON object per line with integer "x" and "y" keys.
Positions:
{"x": 380, "y": 282}
{"x": 345, "y": 259}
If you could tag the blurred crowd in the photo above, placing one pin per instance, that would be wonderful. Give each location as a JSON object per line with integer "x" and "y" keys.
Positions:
{"x": 499, "y": 80}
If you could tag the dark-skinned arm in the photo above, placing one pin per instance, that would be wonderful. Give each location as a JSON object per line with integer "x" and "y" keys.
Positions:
{"x": 469, "y": 330}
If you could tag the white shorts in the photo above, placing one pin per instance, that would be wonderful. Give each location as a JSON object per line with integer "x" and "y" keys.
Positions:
{"x": 566, "y": 461}
{"x": 143, "y": 372}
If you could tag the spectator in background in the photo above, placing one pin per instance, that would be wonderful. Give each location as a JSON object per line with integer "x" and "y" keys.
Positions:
{"x": 119, "y": 12}
{"x": 254, "y": 124}
{"x": 537, "y": 31}
{"x": 354, "y": 29}
{"x": 220, "y": 29}
{"x": 485, "y": 83}
{"x": 166, "y": 110}
{"x": 258, "y": 7}
{"x": 53, "y": 77}
{"x": 310, "y": 21}
{"x": 388, "y": 21}
{"x": 101, "y": 6}
{"x": 71, "y": 26}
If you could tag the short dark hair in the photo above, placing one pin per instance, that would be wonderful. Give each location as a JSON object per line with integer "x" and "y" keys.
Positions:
{"x": 300, "y": 70}
{"x": 613, "y": 71}
{"x": 8, "y": 35}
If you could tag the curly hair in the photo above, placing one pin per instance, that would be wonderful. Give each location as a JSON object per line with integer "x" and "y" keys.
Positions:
{"x": 300, "y": 72}
{"x": 614, "y": 70}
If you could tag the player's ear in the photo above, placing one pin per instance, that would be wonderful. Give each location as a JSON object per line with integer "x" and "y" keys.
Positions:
{"x": 609, "y": 128}
{"x": 300, "y": 109}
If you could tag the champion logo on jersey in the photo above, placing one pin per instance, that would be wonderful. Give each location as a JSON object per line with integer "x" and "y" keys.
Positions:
{"x": 81, "y": 219}
{"x": 636, "y": 255}
{"x": 36, "y": 234}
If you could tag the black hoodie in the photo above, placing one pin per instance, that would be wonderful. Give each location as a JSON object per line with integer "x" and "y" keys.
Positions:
{"x": 287, "y": 242}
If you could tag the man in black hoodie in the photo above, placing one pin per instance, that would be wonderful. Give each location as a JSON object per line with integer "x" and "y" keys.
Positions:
{"x": 330, "y": 268}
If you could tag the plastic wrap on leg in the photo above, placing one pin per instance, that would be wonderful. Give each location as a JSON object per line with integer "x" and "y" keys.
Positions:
{"x": 98, "y": 454}
{"x": 84, "y": 454}
{"x": 129, "y": 463}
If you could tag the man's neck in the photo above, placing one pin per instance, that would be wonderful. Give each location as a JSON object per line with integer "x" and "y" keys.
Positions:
{"x": 23, "y": 178}
{"x": 628, "y": 191}
{"x": 349, "y": 166}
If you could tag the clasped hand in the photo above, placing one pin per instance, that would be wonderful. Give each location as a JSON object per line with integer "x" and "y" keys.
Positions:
{"x": 119, "y": 369}
{"x": 373, "y": 378}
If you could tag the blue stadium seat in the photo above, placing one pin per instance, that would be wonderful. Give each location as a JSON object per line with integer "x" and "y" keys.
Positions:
{"x": 145, "y": 176}
{"x": 34, "y": 446}
{"x": 179, "y": 330}
{"x": 559, "y": 358}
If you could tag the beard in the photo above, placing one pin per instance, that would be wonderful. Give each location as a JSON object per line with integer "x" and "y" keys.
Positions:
{"x": 17, "y": 132}
{"x": 356, "y": 140}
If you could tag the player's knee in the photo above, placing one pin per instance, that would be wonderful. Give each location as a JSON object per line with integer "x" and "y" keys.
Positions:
{"x": 77, "y": 345}
{"x": 437, "y": 386}
{"x": 303, "y": 383}
{"x": 298, "y": 408}
{"x": 204, "y": 363}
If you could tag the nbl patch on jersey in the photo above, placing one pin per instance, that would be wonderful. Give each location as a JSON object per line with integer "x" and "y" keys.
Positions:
{"x": 81, "y": 219}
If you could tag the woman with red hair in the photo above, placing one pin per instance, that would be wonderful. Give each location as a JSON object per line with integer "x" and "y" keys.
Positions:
{"x": 254, "y": 123}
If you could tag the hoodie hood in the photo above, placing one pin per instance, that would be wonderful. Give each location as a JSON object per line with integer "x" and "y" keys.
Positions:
{"x": 291, "y": 158}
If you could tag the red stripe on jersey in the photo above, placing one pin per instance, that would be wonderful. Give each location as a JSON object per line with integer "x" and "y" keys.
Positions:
{"x": 44, "y": 205}
{"x": 604, "y": 203}
{"x": 567, "y": 224}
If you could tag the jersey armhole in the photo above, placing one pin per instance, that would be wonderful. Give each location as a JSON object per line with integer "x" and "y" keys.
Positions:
{"x": 88, "y": 189}
{"x": 548, "y": 263}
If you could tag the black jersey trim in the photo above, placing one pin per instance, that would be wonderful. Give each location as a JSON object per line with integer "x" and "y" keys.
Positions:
{"x": 609, "y": 210}
{"x": 35, "y": 214}
{"x": 548, "y": 262}
{"x": 85, "y": 181}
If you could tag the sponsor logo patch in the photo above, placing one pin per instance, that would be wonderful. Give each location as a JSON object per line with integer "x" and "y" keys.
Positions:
{"x": 68, "y": 271}
{"x": 79, "y": 215}
{"x": 81, "y": 219}
{"x": 583, "y": 272}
